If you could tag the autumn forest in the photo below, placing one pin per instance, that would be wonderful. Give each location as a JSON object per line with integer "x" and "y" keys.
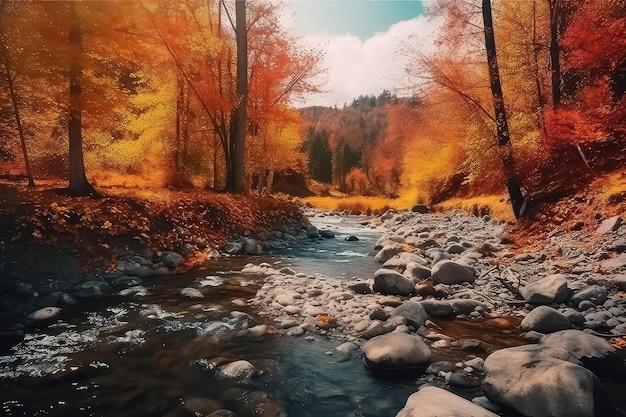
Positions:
{"x": 152, "y": 94}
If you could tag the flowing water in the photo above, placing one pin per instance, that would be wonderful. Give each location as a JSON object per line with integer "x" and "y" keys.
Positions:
{"x": 154, "y": 354}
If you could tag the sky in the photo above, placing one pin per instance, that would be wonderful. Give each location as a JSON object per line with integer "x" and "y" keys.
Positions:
{"x": 363, "y": 42}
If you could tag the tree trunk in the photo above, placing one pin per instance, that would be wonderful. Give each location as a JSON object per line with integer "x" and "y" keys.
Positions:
{"x": 541, "y": 102}
{"x": 518, "y": 201}
{"x": 18, "y": 119}
{"x": 235, "y": 182}
{"x": 555, "y": 51}
{"x": 270, "y": 182}
{"x": 179, "y": 122}
{"x": 78, "y": 183}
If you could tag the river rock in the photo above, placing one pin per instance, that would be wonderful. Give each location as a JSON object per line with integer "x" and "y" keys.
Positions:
{"x": 548, "y": 290}
{"x": 450, "y": 272}
{"x": 416, "y": 272}
{"x": 610, "y": 225}
{"x": 378, "y": 314}
{"x": 234, "y": 247}
{"x": 126, "y": 281}
{"x": 343, "y": 352}
{"x": 595, "y": 293}
{"x": 285, "y": 299}
{"x": 252, "y": 247}
{"x": 92, "y": 289}
{"x": 387, "y": 252}
{"x": 413, "y": 312}
{"x": 574, "y": 316}
{"x": 361, "y": 287}
{"x": 191, "y": 293}
{"x": 395, "y": 351}
{"x": 465, "y": 305}
{"x": 545, "y": 319}
{"x": 201, "y": 406}
{"x": 172, "y": 259}
{"x": 258, "y": 403}
{"x": 389, "y": 301}
{"x": 45, "y": 316}
{"x": 387, "y": 281}
{"x": 401, "y": 260}
{"x": 464, "y": 379}
{"x": 312, "y": 232}
{"x": 327, "y": 234}
{"x": 542, "y": 381}
{"x": 437, "y": 308}
{"x": 352, "y": 239}
{"x": 592, "y": 351}
{"x": 374, "y": 329}
{"x": 431, "y": 401}
{"x": 240, "y": 372}
{"x": 420, "y": 209}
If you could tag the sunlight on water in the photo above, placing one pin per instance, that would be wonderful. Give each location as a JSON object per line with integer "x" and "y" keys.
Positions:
{"x": 351, "y": 253}
{"x": 210, "y": 281}
{"x": 153, "y": 311}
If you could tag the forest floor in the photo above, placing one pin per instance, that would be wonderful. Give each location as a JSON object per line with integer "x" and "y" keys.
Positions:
{"x": 161, "y": 219}
{"x": 601, "y": 198}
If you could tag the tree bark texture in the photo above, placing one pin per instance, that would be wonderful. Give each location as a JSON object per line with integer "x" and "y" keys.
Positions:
{"x": 78, "y": 183}
{"x": 518, "y": 201}
{"x": 236, "y": 178}
{"x": 555, "y": 50}
{"x": 18, "y": 120}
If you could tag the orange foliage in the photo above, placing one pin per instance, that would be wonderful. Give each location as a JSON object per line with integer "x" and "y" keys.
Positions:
{"x": 357, "y": 182}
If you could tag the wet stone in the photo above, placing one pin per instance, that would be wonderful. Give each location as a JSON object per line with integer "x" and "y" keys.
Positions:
{"x": 464, "y": 379}
{"x": 45, "y": 316}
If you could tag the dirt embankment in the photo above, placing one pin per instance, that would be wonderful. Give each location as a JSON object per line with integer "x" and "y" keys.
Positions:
{"x": 96, "y": 229}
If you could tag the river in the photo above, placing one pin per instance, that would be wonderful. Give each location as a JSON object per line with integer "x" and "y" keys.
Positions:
{"x": 155, "y": 354}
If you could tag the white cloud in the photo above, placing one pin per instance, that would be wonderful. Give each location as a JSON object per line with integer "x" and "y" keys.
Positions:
{"x": 356, "y": 67}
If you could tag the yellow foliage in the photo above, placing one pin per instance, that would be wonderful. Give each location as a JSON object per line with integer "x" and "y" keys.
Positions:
{"x": 496, "y": 206}
{"x": 357, "y": 204}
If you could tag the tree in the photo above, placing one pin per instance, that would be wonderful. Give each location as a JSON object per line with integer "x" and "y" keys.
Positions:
{"x": 10, "y": 80}
{"x": 518, "y": 202}
{"x": 78, "y": 183}
{"x": 235, "y": 179}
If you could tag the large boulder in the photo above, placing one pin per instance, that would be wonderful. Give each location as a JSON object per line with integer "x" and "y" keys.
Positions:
{"x": 413, "y": 312}
{"x": 387, "y": 281}
{"x": 544, "y": 319}
{"x": 548, "y": 290}
{"x": 592, "y": 351}
{"x": 436, "y": 402}
{"x": 395, "y": 351}
{"x": 542, "y": 381}
{"x": 450, "y": 272}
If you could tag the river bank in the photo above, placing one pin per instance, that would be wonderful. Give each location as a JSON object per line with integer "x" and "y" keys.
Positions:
{"x": 566, "y": 301}
{"x": 56, "y": 251}
{"x": 342, "y": 311}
